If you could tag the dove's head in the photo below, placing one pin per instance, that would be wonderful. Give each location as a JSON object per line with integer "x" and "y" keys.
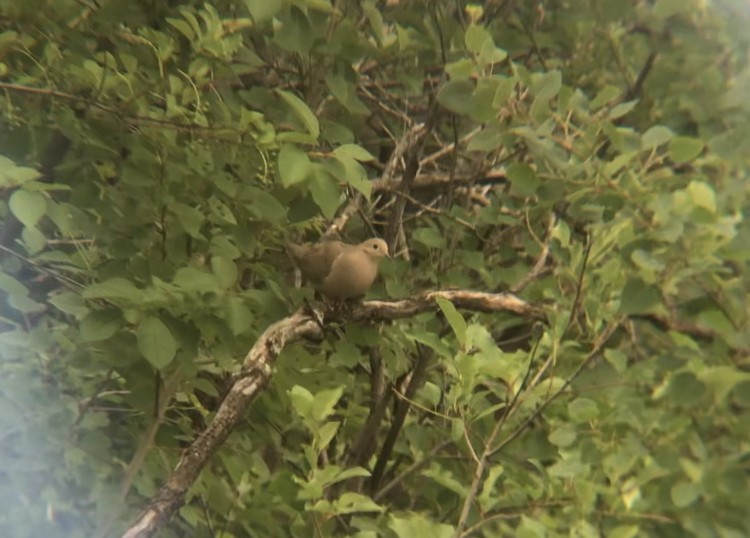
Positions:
{"x": 376, "y": 248}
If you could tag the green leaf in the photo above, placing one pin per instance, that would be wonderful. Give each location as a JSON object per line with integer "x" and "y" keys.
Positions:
{"x": 155, "y": 342}
{"x": 684, "y": 149}
{"x": 355, "y": 152}
{"x": 488, "y": 139}
{"x": 429, "y": 236}
{"x": 667, "y": 8}
{"x": 476, "y": 37}
{"x": 505, "y": 88}
{"x": 293, "y": 137}
{"x": 324, "y": 403}
{"x": 302, "y": 111}
{"x": 189, "y": 217}
{"x": 605, "y": 95}
{"x": 431, "y": 340}
{"x": 460, "y": 69}
{"x": 11, "y": 285}
{"x": 445, "y": 478}
{"x": 655, "y": 137}
{"x": 624, "y": 531}
{"x": 638, "y": 297}
{"x": 183, "y": 27}
{"x": 722, "y": 379}
{"x": 568, "y": 468}
{"x": 346, "y": 355}
{"x": 294, "y": 30}
{"x": 33, "y": 240}
{"x": 69, "y": 303}
{"x": 618, "y": 111}
{"x": 354, "y": 472}
{"x": 547, "y": 86}
{"x": 685, "y": 389}
{"x": 264, "y": 205}
{"x": 456, "y": 96}
{"x": 221, "y": 211}
{"x": 583, "y": 410}
{"x": 354, "y": 174}
{"x": 238, "y": 315}
{"x": 530, "y": 528}
{"x": 375, "y": 18}
{"x": 456, "y": 320}
{"x": 263, "y": 10}
{"x": 325, "y": 435}
{"x": 563, "y": 436}
{"x": 350, "y": 503}
{"x": 482, "y": 107}
{"x": 99, "y": 325}
{"x": 411, "y": 525}
{"x": 346, "y": 93}
{"x": 196, "y": 281}
{"x": 13, "y": 176}
{"x": 225, "y": 271}
{"x": 490, "y": 496}
{"x": 702, "y": 195}
{"x": 325, "y": 191}
{"x": 294, "y": 165}
{"x": 113, "y": 289}
{"x": 491, "y": 54}
{"x": 302, "y": 400}
{"x": 685, "y": 493}
{"x": 28, "y": 207}
{"x": 523, "y": 179}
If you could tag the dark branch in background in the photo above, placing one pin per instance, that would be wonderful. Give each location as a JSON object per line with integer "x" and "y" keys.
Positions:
{"x": 364, "y": 446}
{"x": 408, "y": 147}
{"x": 579, "y": 286}
{"x": 637, "y": 88}
{"x": 634, "y": 91}
{"x": 256, "y": 372}
{"x": 416, "y": 380}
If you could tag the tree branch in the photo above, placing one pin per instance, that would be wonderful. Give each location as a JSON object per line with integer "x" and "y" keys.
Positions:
{"x": 424, "y": 357}
{"x": 256, "y": 371}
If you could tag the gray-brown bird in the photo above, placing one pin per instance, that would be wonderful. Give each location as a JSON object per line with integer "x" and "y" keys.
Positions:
{"x": 339, "y": 270}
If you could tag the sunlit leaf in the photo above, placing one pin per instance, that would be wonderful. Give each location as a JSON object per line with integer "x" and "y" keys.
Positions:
{"x": 155, "y": 342}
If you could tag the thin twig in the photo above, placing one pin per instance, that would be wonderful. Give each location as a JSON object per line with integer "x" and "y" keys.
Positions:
{"x": 450, "y": 147}
{"x": 385, "y": 490}
{"x": 540, "y": 265}
{"x": 579, "y": 287}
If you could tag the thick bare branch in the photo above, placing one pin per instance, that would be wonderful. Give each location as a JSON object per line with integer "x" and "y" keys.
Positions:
{"x": 423, "y": 181}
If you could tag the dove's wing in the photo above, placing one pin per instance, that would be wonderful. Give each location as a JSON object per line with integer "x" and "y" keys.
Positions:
{"x": 315, "y": 261}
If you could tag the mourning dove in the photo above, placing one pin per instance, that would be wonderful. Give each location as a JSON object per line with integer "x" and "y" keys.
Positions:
{"x": 339, "y": 270}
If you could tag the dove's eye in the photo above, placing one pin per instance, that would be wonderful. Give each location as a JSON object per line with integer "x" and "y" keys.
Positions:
{"x": 375, "y": 246}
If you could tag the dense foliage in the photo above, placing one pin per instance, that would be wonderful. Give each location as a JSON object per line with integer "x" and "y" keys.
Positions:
{"x": 590, "y": 155}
